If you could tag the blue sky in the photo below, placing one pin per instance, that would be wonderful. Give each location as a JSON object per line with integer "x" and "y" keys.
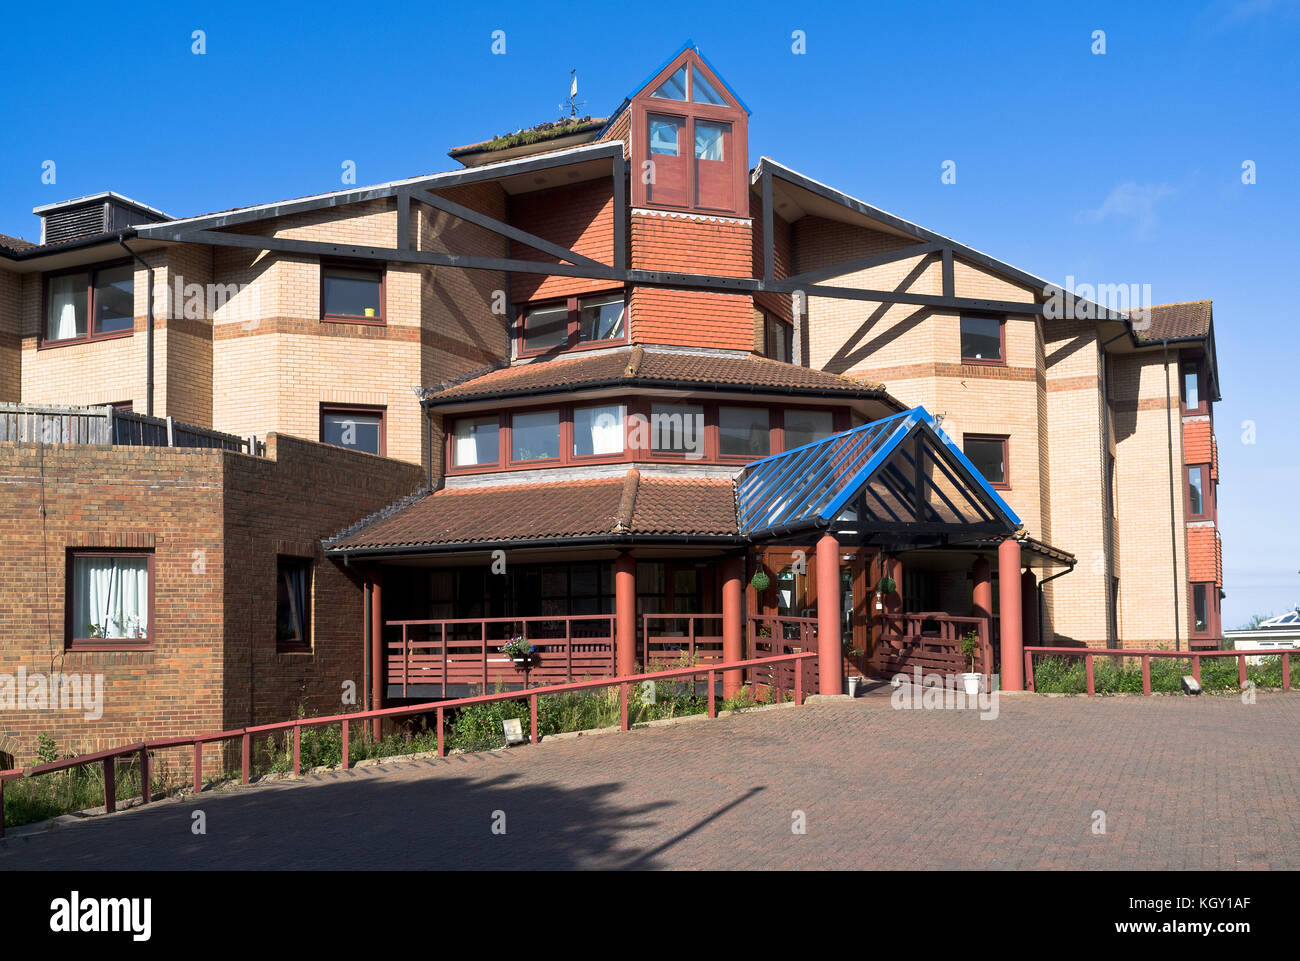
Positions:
{"x": 1115, "y": 168}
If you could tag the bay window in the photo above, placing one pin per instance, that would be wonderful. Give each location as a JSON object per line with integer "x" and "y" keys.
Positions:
{"x": 677, "y": 429}
{"x": 598, "y": 431}
{"x": 475, "y": 441}
{"x": 577, "y": 321}
{"x": 744, "y": 432}
{"x": 110, "y": 602}
{"x": 535, "y": 436}
{"x": 806, "y": 426}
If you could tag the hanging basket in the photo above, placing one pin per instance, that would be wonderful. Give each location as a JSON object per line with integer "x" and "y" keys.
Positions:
{"x": 760, "y": 581}
{"x": 887, "y": 585}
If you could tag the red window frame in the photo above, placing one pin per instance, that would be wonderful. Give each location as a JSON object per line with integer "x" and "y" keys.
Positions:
{"x": 1212, "y": 617}
{"x": 381, "y": 320}
{"x": 367, "y": 410}
{"x": 107, "y": 644}
{"x": 633, "y": 407}
{"x": 1207, "y": 493}
{"x": 90, "y": 270}
{"x": 1203, "y": 403}
{"x": 1002, "y": 341}
{"x": 574, "y": 306}
{"x": 1005, "y": 441}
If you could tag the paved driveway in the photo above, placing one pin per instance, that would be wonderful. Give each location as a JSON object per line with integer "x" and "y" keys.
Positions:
{"x": 1183, "y": 783}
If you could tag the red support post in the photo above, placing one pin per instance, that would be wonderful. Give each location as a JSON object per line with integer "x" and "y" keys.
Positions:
{"x": 346, "y": 759}
{"x": 297, "y": 749}
{"x": 713, "y": 707}
{"x": 625, "y": 615}
{"x": 1010, "y": 609}
{"x": 442, "y": 750}
{"x": 1091, "y": 672}
{"x": 1196, "y": 667}
{"x": 622, "y": 697}
{"x": 1029, "y": 608}
{"x": 733, "y": 621}
{"x": 830, "y": 667}
{"x": 1146, "y": 675}
{"x": 246, "y": 757}
{"x": 798, "y": 683}
{"x": 146, "y": 786}
{"x": 198, "y": 767}
{"x": 532, "y": 710}
{"x": 1029, "y": 670}
{"x": 982, "y": 594}
{"x": 1286, "y": 671}
{"x": 110, "y": 784}
{"x": 1241, "y": 670}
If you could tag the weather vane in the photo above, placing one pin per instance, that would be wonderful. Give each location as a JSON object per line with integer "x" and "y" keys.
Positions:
{"x": 573, "y": 103}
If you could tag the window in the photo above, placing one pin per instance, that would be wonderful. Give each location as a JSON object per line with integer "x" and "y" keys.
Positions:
{"x": 90, "y": 304}
{"x": 713, "y": 178}
{"x": 356, "y": 428}
{"x": 293, "y": 604}
{"x": 1198, "y": 493}
{"x": 982, "y": 340}
{"x": 989, "y": 455}
{"x": 674, "y": 88}
{"x": 476, "y": 441}
{"x": 1200, "y": 608}
{"x": 677, "y": 429}
{"x": 744, "y": 432}
{"x": 585, "y": 321}
{"x": 806, "y": 426}
{"x": 1193, "y": 395}
{"x": 352, "y": 294}
{"x": 778, "y": 337}
{"x": 668, "y": 170}
{"x": 535, "y": 436}
{"x": 702, "y": 91}
{"x": 598, "y": 431}
{"x": 110, "y": 600}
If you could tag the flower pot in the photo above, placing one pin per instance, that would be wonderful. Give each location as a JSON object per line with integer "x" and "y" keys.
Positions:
{"x": 853, "y": 687}
{"x": 971, "y": 683}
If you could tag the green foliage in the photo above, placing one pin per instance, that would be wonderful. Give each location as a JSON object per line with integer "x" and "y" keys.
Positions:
{"x": 970, "y": 645}
{"x": 1123, "y": 675}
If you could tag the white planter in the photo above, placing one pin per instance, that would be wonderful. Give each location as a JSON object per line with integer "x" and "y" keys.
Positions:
{"x": 971, "y": 683}
{"x": 853, "y": 687}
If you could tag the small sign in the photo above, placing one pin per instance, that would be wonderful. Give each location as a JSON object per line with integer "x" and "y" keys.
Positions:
{"x": 514, "y": 728}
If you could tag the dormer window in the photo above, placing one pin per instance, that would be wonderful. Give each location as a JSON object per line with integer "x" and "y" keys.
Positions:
{"x": 689, "y": 139}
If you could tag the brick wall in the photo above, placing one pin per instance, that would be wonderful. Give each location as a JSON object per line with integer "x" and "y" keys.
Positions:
{"x": 11, "y": 286}
{"x": 215, "y": 522}
{"x": 579, "y": 217}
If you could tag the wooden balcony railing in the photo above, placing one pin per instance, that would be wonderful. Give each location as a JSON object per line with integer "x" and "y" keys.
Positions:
{"x": 667, "y": 638}
{"x": 932, "y": 642}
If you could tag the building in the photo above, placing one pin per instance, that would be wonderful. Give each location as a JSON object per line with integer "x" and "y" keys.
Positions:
{"x": 617, "y": 351}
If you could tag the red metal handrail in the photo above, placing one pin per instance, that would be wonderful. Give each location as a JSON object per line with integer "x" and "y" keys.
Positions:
{"x": 1088, "y": 654}
{"x": 109, "y": 756}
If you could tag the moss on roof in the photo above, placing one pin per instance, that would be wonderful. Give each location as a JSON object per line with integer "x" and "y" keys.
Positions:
{"x": 552, "y": 130}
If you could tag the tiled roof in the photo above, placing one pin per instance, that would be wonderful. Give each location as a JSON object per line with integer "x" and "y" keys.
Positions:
{"x": 605, "y": 507}
{"x": 15, "y": 243}
{"x": 1178, "y": 321}
{"x": 647, "y": 367}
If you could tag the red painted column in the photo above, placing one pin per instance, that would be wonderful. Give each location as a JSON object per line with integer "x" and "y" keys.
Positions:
{"x": 376, "y": 648}
{"x": 982, "y": 575}
{"x": 625, "y": 613}
{"x": 1029, "y": 608}
{"x": 733, "y": 622}
{"x": 1009, "y": 613}
{"x": 829, "y": 666}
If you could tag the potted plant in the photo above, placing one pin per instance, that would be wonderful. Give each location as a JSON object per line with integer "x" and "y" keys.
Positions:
{"x": 970, "y": 645}
{"x": 519, "y": 651}
{"x": 887, "y": 585}
{"x": 760, "y": 581}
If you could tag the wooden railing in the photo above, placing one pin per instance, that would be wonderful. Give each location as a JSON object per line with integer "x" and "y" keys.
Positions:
{"x": 666, "y": 638}
{"x": 295, "y": 728}
{"x": 48, "y": 424}
{"x": 771, "y": 636}
{"x": 932, "y": 642}
{"x": 1090, "y": 655}
{"x": 468, "y": 650}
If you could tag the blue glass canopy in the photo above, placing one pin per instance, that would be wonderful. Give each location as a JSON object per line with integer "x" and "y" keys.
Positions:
{"x": 901, "y": 475}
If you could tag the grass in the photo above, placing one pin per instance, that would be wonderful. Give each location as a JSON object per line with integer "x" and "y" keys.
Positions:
{"x": 477, "y": 727}
{"x": 1123, "y": 675}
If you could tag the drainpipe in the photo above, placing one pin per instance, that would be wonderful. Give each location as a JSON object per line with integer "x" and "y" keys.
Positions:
{"x": 1040, "y": 597}
{"x": 148, "y": 341}
{"x": 1173, "y": 519}
{"x": 1108, "y": 493}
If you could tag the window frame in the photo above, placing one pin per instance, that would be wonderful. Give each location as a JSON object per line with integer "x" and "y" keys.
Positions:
{"x": 303, "y": 643}
{"x": 1197, "y": 366}
{"x": 90, "y": 270}
{"x": 1211, "y": 628}
{"x": 1207, "y": 496}
{"x": 772, "y": 326}
{"x": 573, "y": 304}
{"x": 107, "y": 644}
{"x": 381, "y": 319}
{"x": 369, "y": 410}
{"x": 1002, "y": 340}
{"x": 1005, "y": 441}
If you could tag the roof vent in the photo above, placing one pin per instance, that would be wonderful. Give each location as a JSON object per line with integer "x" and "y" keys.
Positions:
{"x": 101, "y": 213}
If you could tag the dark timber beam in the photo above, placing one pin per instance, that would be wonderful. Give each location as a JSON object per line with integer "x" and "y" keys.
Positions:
{"x": 404, "y": 221}
{"x": 949, "y": 282}
{"x": 620, "y": 212}
{"x": 769, "y": 245}
{"x": 505, "y": 230}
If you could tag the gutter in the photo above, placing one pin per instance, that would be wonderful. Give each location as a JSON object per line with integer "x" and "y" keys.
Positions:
{"x": 1040, "y": 595}
{"x": 148, "y": 343}
{"x": 479, "y": 547}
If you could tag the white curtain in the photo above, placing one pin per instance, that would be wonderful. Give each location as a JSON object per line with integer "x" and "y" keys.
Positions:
{"x": 66, "y": 293}
{"x": 111, "y": 597}
{"x": 607, "y": 430}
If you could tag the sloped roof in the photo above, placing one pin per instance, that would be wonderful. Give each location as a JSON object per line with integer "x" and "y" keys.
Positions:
{"x": 646, "y": 367}
{"x": 1182, "y": 321}
{"x": 603, "y": 508}
{"x": 901, "y": 471}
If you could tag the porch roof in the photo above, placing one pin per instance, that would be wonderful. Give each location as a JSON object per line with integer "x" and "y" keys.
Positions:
{"x": 610, "y": 509}
{"x": 900, "y": 477}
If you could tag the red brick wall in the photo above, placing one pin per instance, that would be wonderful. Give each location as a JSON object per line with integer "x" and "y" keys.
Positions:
{"x": 579, "y": 217}
{"x": 215, "y": 522}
